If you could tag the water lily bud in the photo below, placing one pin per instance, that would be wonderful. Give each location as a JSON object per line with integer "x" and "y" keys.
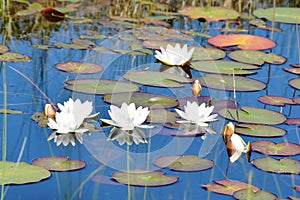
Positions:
{"x": 196, "y": 88}
{"x": 49, "y": 111}
{"x": 248, "y": 151}
{"x": 228, "y": 132}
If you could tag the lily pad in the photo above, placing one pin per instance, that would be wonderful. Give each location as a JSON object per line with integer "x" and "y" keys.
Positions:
{"x": 293, "y": 70}
{"x": 281, "y": 166}
{"x": 259, "y": 130}
{"x": 79, "y": 67}
{"x": 228, "y": 187}
{"x": 3, "y": 49}
{"x": 249, "y": 194}
{"x": 13, "y": 57}
{"x": 280, "y": 14}
{"x": 185, "y": 163}
{"x": 295, "y": 83}
{"x": 59, "y": 163}
{"x": 159, "y": 116}
{"x": 9, "y": 111}
{"x": 223, "y": 67}
{"x": 207, "y": 53}
{"x": 159, "y": 79}
{"x": 292, "y": 121}
{"x": 248, "y": 114}
{"x": 225, "y": 82}
{"x": 21, "y": 173}
{"x": 256, "y": 57}
{"x": 209, "y": 13}
{"x": 275, "y": 100}
{"x": 297, "y": 187}
{"x": 280, "y": 149}
{"x": 242, "y": 41}
{"x": 144, "y": 178}
{"x": 99, "y": 178}
{"x": 71, "y": 46}
{"x": 96, "y": 86}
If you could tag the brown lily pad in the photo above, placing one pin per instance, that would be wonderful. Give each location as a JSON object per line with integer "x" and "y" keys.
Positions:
{"x": 281, "y": 166}
{"x": 280, "y": 149}
{"x": 59, "y": 163}
{"x": 275, "y": 100}
{"x": 79, "y": 67}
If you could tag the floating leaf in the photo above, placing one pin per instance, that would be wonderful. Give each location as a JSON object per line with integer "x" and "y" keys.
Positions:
{"x": 262, "y": 25}
{"x": 79, "y": 67}
{"x": 207, "y": 53}
{"x": 144, "y": 178}
{"x": 3, "y": 49}
{"x": 99, "y": 178}
{"x": 281, "y": 166}
{"x": 13, "y": 57}
{"x": 242, "y": 41}
{"x": 293, "y": 70}
{"x": 256, "y": 57}
{"x": 162, "y": 116}
{"x": 96, "y": 86}
{"x": 86, "y": 43}
{"x": 253, "y": 115}
{"x": 225, "y": 82}
{"x": 21, "y": 173}
{"x": 245, "y": 194}
{"x": 9, "y": 111}
{"x": 160, "y": 79}
{"x": 280, "y": 14}
{"x": 295, "y": 83}
{"x": 59, "y": 163}
{"x": 209, "y": 13}
{"x": 185, "y": 163}
{"x": 259, "y": 130}
{"x": 52, "y": 14}
{"x": 275, "y": 100}
{"x": 297, "y": 187}
{"x": 141, "y": 99}
{"x": 228, "y": 187}
{"x": 292, "y": 121}
{"x": 279, "y": 149}
{"x": 71, "y": 46}
{"x": 223, "y": 67}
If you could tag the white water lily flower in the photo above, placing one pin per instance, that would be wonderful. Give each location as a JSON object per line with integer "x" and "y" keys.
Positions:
{"x": 195, "y": 114}
{"x": 136, "y": 135}
{"x": 237, "y": 146}
{"x": 127, "y": 117}
{"x": 174, "y": 55}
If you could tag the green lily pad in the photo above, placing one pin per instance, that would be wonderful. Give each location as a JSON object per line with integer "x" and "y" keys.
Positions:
{"x": 185, "y": 163}
{"x": 249, "y": 194}
{"x": 144, "y": 178}
{"x": 59, "y": 163}
{"x": 261, "y": 24}
{"x": 99, "y": 178}
{"x": 256, "y": 57}
{"x": 209, "y": 13}
{"x": 280, "y": 149}
{"x": 248, "y": 114}
{"x": 225, "y": 82}
{"x": 281, "y": 166}
{"x": 223, "y": 67}
{"x": 40, "y": 118}
{"x": 295, "y": 83}
{"x": 71, "y": 46}
{"x": 96, "y": 86}
{"x": 79, "y": 67}
{"x": 3, "y": 49}
{"x": 9, "y": 111}
{"x": 292, "y": 121}
{"x": 159, "y": 79}
{"x": 13, "y": 57}
{"x": 141, "y": 99}
{"x": 242, "y": 41}
{"x": 159, "y": 116}
{"x": 21, "y": 173}
{"x": 228, "y": 187}
{"x": 280, "y": 14}
{"x": 259, "y": 130}
{"x": 207, "y": 53}
{"x": 275, "y": 100}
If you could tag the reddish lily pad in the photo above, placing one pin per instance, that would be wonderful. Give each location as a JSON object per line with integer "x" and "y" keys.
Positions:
{"x": 297, "y": 187}
{"x": 275, "y": 100}
{"x": 256, "y": 57}
{"x": 280, "y": 149}
{"x": 3, "y": 49}
{"x": 281, "y": 166}
{"x": 248, "y": 114}
{"x": 209, "y": 13}
{"x": 223, "y": 67}
{"x": 228, "y": 187}
{"x": 159, "y": 116}
{"x": 185, "y": 163}
{"x": 144, "y": 178}
{"x": 292, "y": 121}
{"x": 79, "y": 67}
{"x": 242, "y": 41}
{"x": 249, "y": 194}
{"x": 259, "y": 130}
{"x": 59, "y": 163}
{"x": 141, "y": 99}
{"x": 295, "y": 83}
{"x": 13, "y": 57}
{"x": 280, "y": 14}
{"x": 96, "y": 86}
{"x": 225, "y": 82}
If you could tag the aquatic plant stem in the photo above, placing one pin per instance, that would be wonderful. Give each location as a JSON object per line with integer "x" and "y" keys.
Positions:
{"x": 148, "y": 161}
{"x": 128, "y": 171}
{"x": 4, "y": 131}
{"x": 249, "y": 185}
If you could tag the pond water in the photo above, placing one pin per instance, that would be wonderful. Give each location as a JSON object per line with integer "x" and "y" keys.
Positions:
{"x": 27, "y": 141}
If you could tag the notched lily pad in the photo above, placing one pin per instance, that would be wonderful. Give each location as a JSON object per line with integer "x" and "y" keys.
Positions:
{"x": 186, "y": 163}
{"x": 13, "y": 57}
{"x": 159, "y": 116}
{"x": 59, "y": 163}
{"x": 259, "y": 130}
{"x": 280, "y": 149}
{"x": 144, "y": 178}
{"x": 254, "y": 115}
{"x": 79, "y": 67}
{"x": 21, "y": 173}
{"x": 281, "y": 166}
{"x": 96, "y": 86}
{"x": 245, "y": 194}
{"x": 275, "y": 100}
{"x": 228, "y": 187}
